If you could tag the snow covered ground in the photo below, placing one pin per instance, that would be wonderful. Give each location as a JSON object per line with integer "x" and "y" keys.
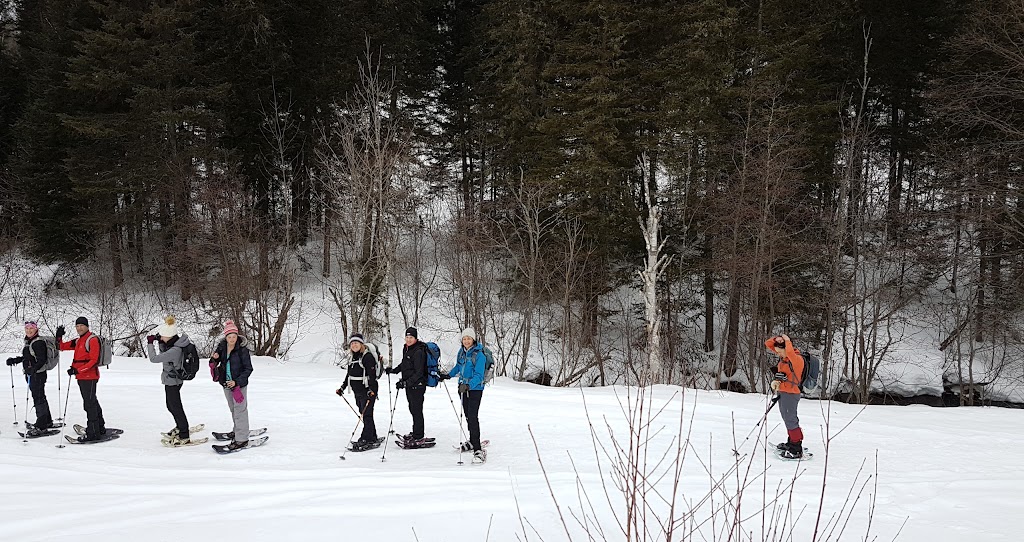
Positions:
{"x": 942, "y": 474}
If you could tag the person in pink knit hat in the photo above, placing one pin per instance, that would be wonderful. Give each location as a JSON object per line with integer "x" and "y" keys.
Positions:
{"x": 231, "y": 365}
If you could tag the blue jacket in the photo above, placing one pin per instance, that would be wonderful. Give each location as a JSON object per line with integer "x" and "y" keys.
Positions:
{"x": 470, "y": 367}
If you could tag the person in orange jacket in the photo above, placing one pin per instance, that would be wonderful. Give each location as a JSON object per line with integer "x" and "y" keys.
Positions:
{"x": 86, "y": 368}
{"x": 786, "y": 383}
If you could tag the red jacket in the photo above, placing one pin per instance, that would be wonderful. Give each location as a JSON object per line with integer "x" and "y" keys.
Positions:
{"x": 87, "y": 363}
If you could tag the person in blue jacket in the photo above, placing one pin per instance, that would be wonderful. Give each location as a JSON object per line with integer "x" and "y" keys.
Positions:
{"x": 470, "y": 366}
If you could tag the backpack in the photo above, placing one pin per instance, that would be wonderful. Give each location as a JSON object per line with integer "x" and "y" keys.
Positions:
{"x": 52, "y": 352}
{"x": 370, "y": 349}
{"x": 812, "y": 370}
{"x": 106, "y": 354}
{"x": 488, "y": 364}
{"x": 189, "y": 363}
{"x": 433, "y": 357}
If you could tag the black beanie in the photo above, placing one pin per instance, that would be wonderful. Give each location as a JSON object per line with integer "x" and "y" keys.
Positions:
{"x": 82, "y": 320}
{"x": 412, "y": 332}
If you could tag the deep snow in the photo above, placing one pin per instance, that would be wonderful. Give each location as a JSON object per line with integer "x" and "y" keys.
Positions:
{"x": 948, "y": 474}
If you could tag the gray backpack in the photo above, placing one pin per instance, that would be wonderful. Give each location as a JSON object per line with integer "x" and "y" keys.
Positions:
{"x": 52, "y": 352}
{"x": 106, "y": 354}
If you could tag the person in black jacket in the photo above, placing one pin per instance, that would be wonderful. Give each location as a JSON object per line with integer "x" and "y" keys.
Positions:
{"x": 231, "y": 365}
{"x": 362, "y": 376}
{"x": 33, "y": 361}
{"x": 414, "y": 380}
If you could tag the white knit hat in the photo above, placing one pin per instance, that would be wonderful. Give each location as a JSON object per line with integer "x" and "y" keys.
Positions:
{"x": 169, "y": 328}
{"x": 469, "y": 332}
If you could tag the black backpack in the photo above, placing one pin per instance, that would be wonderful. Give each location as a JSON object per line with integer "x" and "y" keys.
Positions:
{"x": 190, "y": 363}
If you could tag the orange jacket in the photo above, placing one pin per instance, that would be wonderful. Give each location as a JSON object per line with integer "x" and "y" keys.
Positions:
{"x": 87, "y": 363}
{"x": 792, "y": 365}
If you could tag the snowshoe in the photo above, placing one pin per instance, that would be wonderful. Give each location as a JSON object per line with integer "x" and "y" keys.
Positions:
{"x": 178, "y": 442}
{"x": 230, "y": 434}
{"x": 468, "y": 446}
{"x": 84, "y": 439}
{"x": 81, "y": 430}
{"x": 236, "y": 446}
{"x": 174, "y": 432}
{"x": 33, "y": 432}
{"x": 365, "y": 445}
{"x": 479, "y": 457}
{"x": 415, "y": 444}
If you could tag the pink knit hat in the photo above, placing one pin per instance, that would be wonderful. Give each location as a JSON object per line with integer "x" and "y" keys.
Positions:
{"x": 230, "y": 327}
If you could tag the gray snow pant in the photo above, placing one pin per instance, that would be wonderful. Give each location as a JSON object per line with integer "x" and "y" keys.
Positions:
{"x": 787, "y": 407}
{"x": 239, "y": 414}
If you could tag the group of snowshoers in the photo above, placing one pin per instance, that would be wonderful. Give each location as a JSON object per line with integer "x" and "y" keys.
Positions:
{"x": 415, "y": 377}
{"x": 231, "y": 365}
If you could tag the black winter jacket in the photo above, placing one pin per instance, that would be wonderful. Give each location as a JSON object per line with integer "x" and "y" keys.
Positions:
{"x": 414, "y": 365}
{"x": 33, "y": 356}
{"x": 362, "y": 364}
{"x": 240, "y": 361}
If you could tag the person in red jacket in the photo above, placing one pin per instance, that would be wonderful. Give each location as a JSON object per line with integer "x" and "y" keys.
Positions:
{"x": 86, "y": 368}
{"x": 788, "y": 373}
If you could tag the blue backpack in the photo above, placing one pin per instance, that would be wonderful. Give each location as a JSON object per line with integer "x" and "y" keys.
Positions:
{"x": 433, "y": 357}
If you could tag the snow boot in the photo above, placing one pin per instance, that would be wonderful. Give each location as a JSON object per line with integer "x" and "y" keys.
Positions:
{"x": 795, "y": 450}
{"x": 480, "y": 456}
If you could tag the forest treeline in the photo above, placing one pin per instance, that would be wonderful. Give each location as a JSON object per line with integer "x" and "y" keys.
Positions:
{"x": 838, "y": 169}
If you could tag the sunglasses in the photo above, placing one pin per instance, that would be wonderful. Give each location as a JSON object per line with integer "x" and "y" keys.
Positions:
{"x": 31, "y": 324}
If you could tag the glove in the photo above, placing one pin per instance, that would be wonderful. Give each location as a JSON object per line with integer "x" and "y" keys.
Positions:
{"x": 340, "y": 391}
{"x": 59, "y": 333}
{"x": 781, "y": 377}
{"x": 392, "y": 370}
{"x": 463, "y": 388}
{"x": 400, "y": 385}
{"x": 213, "y": 371}
{"x": 151, "y": 338}
{"x": 371, "y": 394}
{"x": 13, "y": 361}
{"x": 72, "y": 371}
{"x": 775, "y": 385}
{"x": 441, "y": 377}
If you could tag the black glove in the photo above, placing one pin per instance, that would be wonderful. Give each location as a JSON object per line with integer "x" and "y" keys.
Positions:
{"x": 13, "y": 361}
{"x": 393, "y": 370}
{"x": 371, "y": 394}
{"x": 151, "y": 338}
{"x": 441, "y": 377}
{"x": 463, "y": 389}
{"x": 59, "y": 333}
{"x": 400, "y": 385}
{"x": 781, "y": 377}
{"x": 72, "y": 371}
{"x": 340, "y": 391}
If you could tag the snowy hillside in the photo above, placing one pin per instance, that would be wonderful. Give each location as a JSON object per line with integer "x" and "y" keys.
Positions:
{"x": 942, "y": 474}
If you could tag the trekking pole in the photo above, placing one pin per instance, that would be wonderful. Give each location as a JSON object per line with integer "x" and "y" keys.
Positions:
{"x": 735, "y": 450}
{"x": 28, "y": 389}
{"x": 358, "y": 422}
{"x": 459, "y": 418}
{"x": 390, "y": 403}
{"x": 58, "y": 384}
{"x": 14, "y": 398}
{"x": 391, "y": 430}
{"x": 65, "y": 413}
{"x": 354, "y": 411}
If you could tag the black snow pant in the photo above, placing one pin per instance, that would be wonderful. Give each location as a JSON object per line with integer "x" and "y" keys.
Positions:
{"x": 95, "y": 427}
{"x": 471, "y": 407}
{"x": 37, "y": 384}
{"x": 415, "y": 398}
{"x": 365, "y": 405}
{"x": 173, "y": 396}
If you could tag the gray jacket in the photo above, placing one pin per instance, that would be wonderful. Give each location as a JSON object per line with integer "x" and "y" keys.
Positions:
{"x": 172, "y": 358}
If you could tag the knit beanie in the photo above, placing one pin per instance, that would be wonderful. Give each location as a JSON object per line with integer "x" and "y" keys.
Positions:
{"x": 82, "y": 320}
{"x": 411, "y": 332}
{"x": 469, "y": 332}
{"x": 169, "y": 328}
{"x": 230, "y": 327}
{"x": 356, "y": 337}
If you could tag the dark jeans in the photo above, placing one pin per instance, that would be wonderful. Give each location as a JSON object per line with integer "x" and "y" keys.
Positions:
{"x": 415, "y": 398}
{"x": 471, "y": 407}
{"x": 173, "y": 395}
{"x": 37, "y": 383}
{"x": 95, "y": 427}
{"x": 365, "y": 405}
